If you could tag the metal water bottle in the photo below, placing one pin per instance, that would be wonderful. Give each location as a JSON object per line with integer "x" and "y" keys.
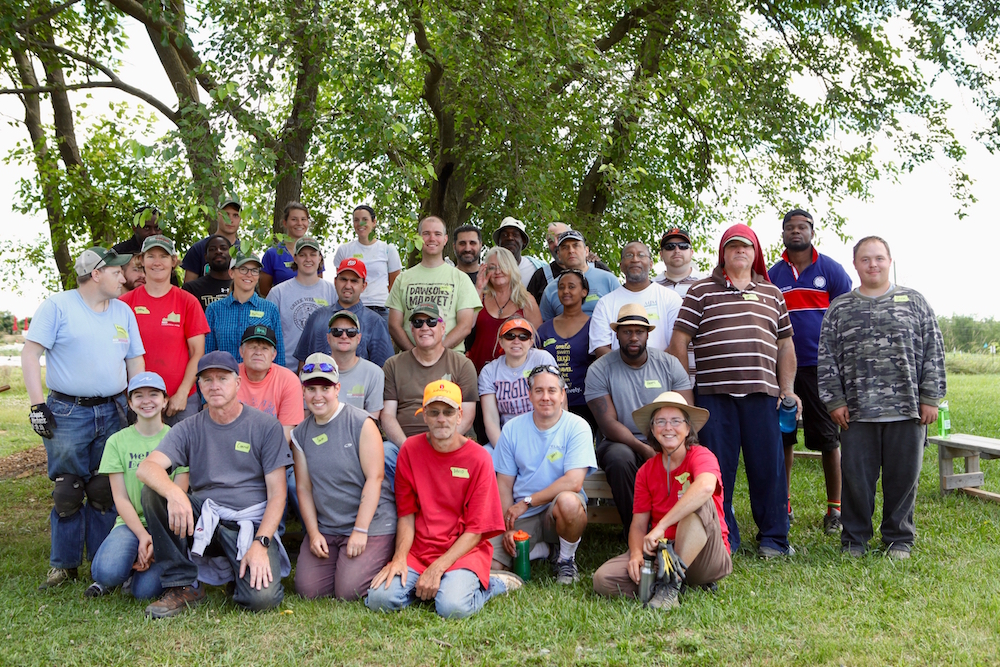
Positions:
{"x": 944, "y": 419}
{"x": 787, "y": 415}
{"x": 647, "y": 577}
{"x": 522, "y": 562}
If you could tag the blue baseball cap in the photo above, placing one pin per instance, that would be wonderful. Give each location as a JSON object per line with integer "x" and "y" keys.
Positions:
{"x": 218, "y": 359}
{"x": 146, "y": 379}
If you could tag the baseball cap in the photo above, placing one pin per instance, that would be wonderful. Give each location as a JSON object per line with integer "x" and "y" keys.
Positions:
{"x": 426, "y": 309}
{"x": 218, "y": 359}
{"x": 570, "y": 235}
{"x": 354, "y": 265}
{"x": 146, "y": 379}
{"x": 242, "y": 259}
{"x": 443, "y": 391}
{"x": 260, "y": 332}
{"x": 742, "y": 239}
{"x": 319, "y": 366}
{"x": 674, "y": 232}
{"x": 516, "y": 323}
{"x": 95, "y": 258}
{"x": 306, "y": 242}
{"x": 231, "y": 201}
{"x": 345, "y": 313}
{"x": 798, "y": 212}
{"x": 159, "y": 241}
{"x": 510, "y": 222}
{"x": 632, "y": 314}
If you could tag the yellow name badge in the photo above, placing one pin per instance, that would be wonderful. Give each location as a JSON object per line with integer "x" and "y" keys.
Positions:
{"x": 242, "y": 446}
{"x": 120, "y": 333}
{"x": 320, "y": 439}
{"x": 174, "y": 317}
{"x": 750, "y": 296}
{"x": 461, "y": 473}
{"x": 653, "y": 384}
{"x": 554, "y": 456}
{"x": 256, "y": 313}
{"x": 321, "y": 302}
{"x": 141, "y": 310}
{"x": 900, "y": 298}
{"x": 549, "y": 341}
{"x": 592, "y": 297}
{"x": 359, "y": 256}
{"x": 652, "y": 316}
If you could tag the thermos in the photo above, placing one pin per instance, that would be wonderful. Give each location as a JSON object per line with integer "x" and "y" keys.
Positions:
{"x": 647, "y": 577}
{"x": 522, "y": 564}
{"x": 787, "y": 415}
{"x": 944, "y": 419}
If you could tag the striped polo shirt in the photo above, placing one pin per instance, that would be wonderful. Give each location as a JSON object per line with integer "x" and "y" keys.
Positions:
{"x": 735, "y": 334}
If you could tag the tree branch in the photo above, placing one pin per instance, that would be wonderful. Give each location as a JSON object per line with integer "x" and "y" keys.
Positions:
{"x": 435, "y": 70}
{"x": 22, "y": 27}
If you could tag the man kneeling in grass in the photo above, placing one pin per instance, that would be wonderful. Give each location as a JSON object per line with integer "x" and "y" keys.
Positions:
{"x": 449, "y": 508}
{"x": 678, "y": 497}
{"x": 237, "y": 457}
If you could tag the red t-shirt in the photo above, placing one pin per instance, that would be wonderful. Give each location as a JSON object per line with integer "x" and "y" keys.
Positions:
{"x": 653, "y": 495}
{"x": 450, "y": 494}
{"x": 279, "y": 394}
{"x": 165, "y": 324}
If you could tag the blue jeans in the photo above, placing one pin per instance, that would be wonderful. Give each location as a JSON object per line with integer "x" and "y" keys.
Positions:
{"x": 391, "y": 454}
{"x": 113, "y": 563}
{"x": 460, "y": 594}
{"x": 76, "y": 448}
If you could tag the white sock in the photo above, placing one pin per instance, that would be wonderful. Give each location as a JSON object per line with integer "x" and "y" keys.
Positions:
{"x": 567, "y": 550}
{"x": 539, "y": 551}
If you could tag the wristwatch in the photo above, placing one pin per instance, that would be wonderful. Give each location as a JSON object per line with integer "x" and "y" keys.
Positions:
{"x": 527, "y": 500}
{"x": 264, "y": 540}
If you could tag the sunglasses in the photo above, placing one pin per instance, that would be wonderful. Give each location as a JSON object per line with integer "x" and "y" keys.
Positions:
{"x": 323, "y": 367}
{"x": 674, "y": 246}
{"x": 510, "y": 335}
{"x": 337, "y": 332}
{"x": 544, "y": 368}
{"x": 434, "y": 413}
{"x": 418, "y": 322}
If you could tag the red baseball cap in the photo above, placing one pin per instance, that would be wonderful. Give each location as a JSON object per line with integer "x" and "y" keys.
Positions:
{"x": 354, "y": 265}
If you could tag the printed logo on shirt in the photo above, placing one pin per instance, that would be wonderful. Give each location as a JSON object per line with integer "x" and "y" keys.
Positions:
{"x": 549, "y": 341}
{"x": 320, "y": 439}
{"x": 554, "y": 456}
{"x": 349, "y": 444}
{"x": 461, "y": 473}
{"x": 653, "y": 384}
{"x": 819, "y": 282}
{"x": 256, "y": 313}
{"x": 242, "y": 446}
{"x": 121, "y": 335}
{"x": 900, "y": 298}
{"x": 440, "y": 294}
{"x": 171, "y": 320}
{"x": 141, "y": 310}
{"x": 750, "y": 296}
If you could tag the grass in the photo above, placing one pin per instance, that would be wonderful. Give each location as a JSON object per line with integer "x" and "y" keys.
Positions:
{"x": 817, "y": 608}
{"x": 15, "y": 430}
{"x": 967, "y": 363}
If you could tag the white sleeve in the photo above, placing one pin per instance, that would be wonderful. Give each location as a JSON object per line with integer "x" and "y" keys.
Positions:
{"x": 600, "y": 324}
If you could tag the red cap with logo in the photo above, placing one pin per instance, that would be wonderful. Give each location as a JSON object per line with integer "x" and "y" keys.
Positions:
{"x": 354, "y": 265}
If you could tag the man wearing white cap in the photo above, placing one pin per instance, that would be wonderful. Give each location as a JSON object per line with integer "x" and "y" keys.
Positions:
{"x": 512, "y": 235}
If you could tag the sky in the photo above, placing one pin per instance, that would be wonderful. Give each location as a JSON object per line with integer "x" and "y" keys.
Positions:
{"x": 933, "y": 251}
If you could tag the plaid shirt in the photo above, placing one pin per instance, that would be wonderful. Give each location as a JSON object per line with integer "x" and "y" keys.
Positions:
{"x": 229, "y": 318}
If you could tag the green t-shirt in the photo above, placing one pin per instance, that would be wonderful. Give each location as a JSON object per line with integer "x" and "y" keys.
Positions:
{"x": 123, "y": 453}
{"x": 447, "y": 287}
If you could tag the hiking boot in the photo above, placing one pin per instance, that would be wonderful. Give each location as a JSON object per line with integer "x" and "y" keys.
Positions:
{"x": 567, "y": 572}
{"x": 767, "y": 553}
{"x": 96, "y": 590}
{"x": 853, "y": 550}
{"x": 897, "y": 553}
{"x": 666, "y": 595}
{"x": 831, "y": 523}
{"x": 510, "y": 580}
{"x": 57, "y": 576}
{"x": 176, "y": 601}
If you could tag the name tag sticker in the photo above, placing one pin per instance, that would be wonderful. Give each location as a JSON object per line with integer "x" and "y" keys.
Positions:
{"x": 359, "y": 256}
{"x": 461, "y": 473}
{"x": 174, "y": 317}
{"x": 242, "y": 446}
{"x": 141, "y": 310}
{"x": 322, "y": 302}
{"x": 750, "y": 296}
{"x": 320, "y": 439}
{"x": 901, "y": 298}
{"x": 592, "y": 297}
{"x": 548, "y": 341}
{"x": 256, "y": 313}
{"x": 554, "y": 456}
{"x": 121, "y": 335}
{"x": 653, "y": 384}
{"x": 652, "y": 316}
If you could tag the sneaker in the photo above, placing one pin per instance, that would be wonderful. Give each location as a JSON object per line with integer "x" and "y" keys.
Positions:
{"x": 791, "y": 515}
{"x": 665, "y": 596}
{"x": 510, "y": 580}
{"x": 767, "y": 553}
{"x": 897, "y": 553}
{"x": 57, "y": 576}
{"x": 831, "y": 523}
{"x": 567, "y": 572}
{"x": 96, "y": 590}
{"x": 853, "y": 550}
{"x": 127, "y": 586}
{"x": 176, "y": 601}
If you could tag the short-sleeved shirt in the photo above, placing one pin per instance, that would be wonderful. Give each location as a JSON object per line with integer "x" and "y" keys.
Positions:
{"x": 296, "y": 302}
{"x": 85, "y": 351}
{"x": 405, "y": 379}
{"x": 450, "y": 494}
{"x": 631, "y": 388}
{"x": 194, "y": 258}
{"x": 657, "y": 493}
{"x": 363, "y": 386}
{"x": 536, "y": 458}
{"x": 208, "y": 290}
{"x": 375, "y": 346}
{"x": 444, "y": 286}
{"x": 228, "y": 462}
{"x": 279, "y": 394}
{"x": 166, "y": 323}
{"x": 229, "y": 318}
{"x": 277, "y": 263}
{"x": 601, "y": 283}
{"x": 510, "y": 385}
{"x": 735, "y": 334}
{"x": 380, "y": 260}
{"x": 572, "y": 357}
{"x": 123, "y": 453}
{"x": 661, "y": 306}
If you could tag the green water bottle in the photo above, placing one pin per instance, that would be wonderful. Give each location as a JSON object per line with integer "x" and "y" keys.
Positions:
{"x": 944, "y": 419}
{"x": 522, "y": 562}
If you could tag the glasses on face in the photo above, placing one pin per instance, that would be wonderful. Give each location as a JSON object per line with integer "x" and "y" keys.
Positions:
{"x": 337, "y": 332}
{"x": 662, "y": 423}
{"x": 418, "y": 322}
{"x": 636, "y": 255}
{"x": 510, "y": 335}
{"x": 545, "y": 368}
{"x": 248, "y": 271}
{"x": 323, "y": 367}
{"x": 675, "y": 246}
{"x": 434, "y": 413}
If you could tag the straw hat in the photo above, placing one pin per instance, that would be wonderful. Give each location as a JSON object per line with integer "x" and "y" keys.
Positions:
{"x": 632, "y": 314}
{"x": 643, "y": 417}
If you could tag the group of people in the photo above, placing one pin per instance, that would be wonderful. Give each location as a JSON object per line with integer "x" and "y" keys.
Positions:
{"x": 419, "y": 422}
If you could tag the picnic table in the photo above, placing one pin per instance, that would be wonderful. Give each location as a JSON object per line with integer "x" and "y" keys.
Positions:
{"x": 972, "y": 448}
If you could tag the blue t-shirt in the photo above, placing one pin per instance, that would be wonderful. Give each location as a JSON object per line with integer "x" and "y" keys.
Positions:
{"x": 538, "y": 458}
{"x": 601, "y": 283}
{"x": 375, "y": 346}
{"x": 85, "y": 351}
{"x": 571, "y": 357}
{"x": 278, "y": 266}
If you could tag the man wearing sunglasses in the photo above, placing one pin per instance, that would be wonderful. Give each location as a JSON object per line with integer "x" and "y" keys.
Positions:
{"x": 362, "y": 383}
{"x": 676, "y": 253}
{"x": 230, "y": 317}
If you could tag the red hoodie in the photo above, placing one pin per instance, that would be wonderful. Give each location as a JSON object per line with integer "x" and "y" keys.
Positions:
{"x": 759, "y": 268}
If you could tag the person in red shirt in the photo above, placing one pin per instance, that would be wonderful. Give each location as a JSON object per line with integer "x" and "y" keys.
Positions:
{"x": 678, "y": 496}
{"x": 172, "y": 325}
{"x": 448, "y": 508}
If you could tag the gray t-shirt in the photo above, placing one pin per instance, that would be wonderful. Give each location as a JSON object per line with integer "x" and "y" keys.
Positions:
{"x": 296, "y": 303}
{"x": 228, "y": 462}
{"x": 631, "y": 388}
{"x": 333, "y": 457}
{"x": 362, "y": 386}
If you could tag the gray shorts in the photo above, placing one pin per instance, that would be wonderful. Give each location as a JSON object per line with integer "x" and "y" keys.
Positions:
{"x": 541, "y": 527}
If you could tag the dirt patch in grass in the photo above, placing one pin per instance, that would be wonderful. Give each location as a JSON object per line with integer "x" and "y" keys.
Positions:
{"x": 24, "y": 463}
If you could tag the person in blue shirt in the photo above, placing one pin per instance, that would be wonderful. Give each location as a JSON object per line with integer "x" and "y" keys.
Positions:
{"x": 809, "y": 281}
{"x": 572, "y": 251}
{"x": 230, "y": 317}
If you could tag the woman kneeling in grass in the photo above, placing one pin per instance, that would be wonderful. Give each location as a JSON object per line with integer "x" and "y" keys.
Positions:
{"x": 346, "y": 504}
{"x": 127, "y": 552}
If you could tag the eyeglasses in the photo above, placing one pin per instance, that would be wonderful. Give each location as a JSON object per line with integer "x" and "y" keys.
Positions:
{"x": 337, "y": 332}
{"x": 674, "y": 246}
{"x": 418, "y": 322}
{"x": 544, "y": 368}
{"x": 635, "y": 255}
{"x": 434, "y": 413}
{"x": 510, "y": 335}
{"x": 662, "y": 423}
{"x": 323, "y": 367}
{"x": 248, "y": 271}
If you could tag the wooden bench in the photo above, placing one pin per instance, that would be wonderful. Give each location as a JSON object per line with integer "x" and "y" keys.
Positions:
{"x": 971, "y": 448}
{"x": 600, "y": 503}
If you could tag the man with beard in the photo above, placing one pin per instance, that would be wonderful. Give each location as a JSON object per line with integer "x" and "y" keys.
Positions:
{"x": 468, "y": 248}
{"x": 216, "y": 284}
{"x": 195, "y": 264}
{"x": 659, "y": 303}
{"x": 621, "y": 382}
{"x": 135, "y": 275}
{"x": 512, "y": 236}
{"x": 809, "y": 282}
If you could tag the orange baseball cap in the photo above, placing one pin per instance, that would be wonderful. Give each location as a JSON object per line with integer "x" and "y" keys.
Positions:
{"x": 516, "y": 323}
{"x": 443, "y": 391}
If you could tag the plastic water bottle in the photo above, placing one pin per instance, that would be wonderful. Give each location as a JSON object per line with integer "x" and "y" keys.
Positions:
{"x": 522, "y": 562}
{"x": 787, "y": 420}
{"x": 944, "y": 419}
{"x": 647, "y": 577}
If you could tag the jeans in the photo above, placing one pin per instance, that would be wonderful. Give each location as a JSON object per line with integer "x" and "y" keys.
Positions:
{"x": 460, "y": 594}
{"x": 391, "y": 454}
{"x": 113, "y": 563}
{"x": 76, "y": 448}
{"x": 178, "y": 570}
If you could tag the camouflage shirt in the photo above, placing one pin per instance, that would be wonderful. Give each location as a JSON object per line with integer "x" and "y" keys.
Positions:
{"x": 881, "y": 357}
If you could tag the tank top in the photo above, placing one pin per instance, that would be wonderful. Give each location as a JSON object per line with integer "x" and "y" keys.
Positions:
{"x": 486, "y": 347}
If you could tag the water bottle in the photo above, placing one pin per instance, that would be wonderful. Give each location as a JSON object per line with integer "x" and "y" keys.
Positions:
{"x": 944, "y": 419}
{"x": 647, "y": 577}
{"x": 522, "y": 563}
{"x": 787, "y": 420}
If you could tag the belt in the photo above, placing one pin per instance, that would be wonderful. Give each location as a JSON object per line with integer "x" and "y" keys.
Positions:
{"x": 377, "y": 309}
{"x": 84, "y": 401}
